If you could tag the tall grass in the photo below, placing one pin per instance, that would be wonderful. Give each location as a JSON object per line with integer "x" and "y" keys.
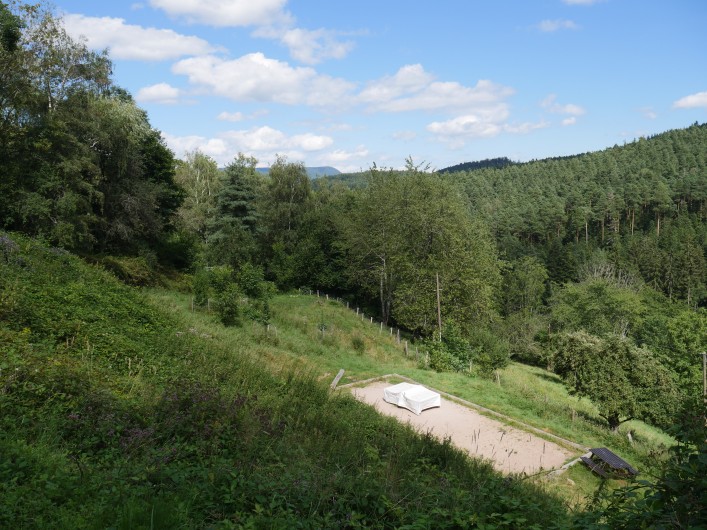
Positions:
{"x": 526, "y": 394}
{"x": 124, "y": 409}
{"x": 529, "y": 394}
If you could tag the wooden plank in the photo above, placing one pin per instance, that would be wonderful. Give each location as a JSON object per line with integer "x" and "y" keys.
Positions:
{"x": 337, "y": 379}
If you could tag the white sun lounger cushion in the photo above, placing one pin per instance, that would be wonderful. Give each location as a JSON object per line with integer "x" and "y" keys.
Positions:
{"x": 415, "y": 398}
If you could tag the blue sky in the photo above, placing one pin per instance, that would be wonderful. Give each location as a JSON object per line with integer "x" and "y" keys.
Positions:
{"x": 348, "y": 83}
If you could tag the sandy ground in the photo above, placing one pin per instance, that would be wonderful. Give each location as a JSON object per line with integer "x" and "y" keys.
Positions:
{"x": 509, "y": 449}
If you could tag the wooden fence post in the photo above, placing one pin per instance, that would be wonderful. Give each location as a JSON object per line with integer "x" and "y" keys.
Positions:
{"x": 337, "y": 379}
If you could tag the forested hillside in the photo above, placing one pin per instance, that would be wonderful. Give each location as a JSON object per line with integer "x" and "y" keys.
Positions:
{"x": 593, "y": 266}
{"x": 643, "y": 204}
{"x": 496, "y": 163}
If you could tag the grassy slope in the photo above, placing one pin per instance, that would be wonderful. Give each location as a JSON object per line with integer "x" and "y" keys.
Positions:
{"x": 123, "y": 410}
{"x": 531, "y": 395}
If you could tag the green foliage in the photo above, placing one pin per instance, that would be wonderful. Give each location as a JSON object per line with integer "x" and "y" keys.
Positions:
{"x": 599, "y": 307}
{"x": 131, "y": 270}
{"x": 10, "y": 30}
{"x": 244, "y": 292}
{"x": 624, "y": 381}
{"x": 198, "y": 176}
{"x": 488, "y": 350}
{"x": 526, "y": 333}
{"x": 674, "y": 499}
{"x": 129, "y": 421}
{"x": 405, "y": 229}
{"x": 228, "y": 302}
{"x": 232, "y": 226}
{"x": 201, "y": 287}
{"x": 81, "y": 165}
{"x": 524, "y": 285}
{"x": 645, "y": 201}
{"x": 456, "y": 352}
{"x": 358, "y": 344}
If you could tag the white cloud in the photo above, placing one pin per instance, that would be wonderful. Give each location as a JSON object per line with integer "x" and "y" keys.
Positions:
{"x": 308, "y": 46}
{"x": 214, "y": 147}
{"x": 550, "y": 104}
{"x": 340, "y": 155}
{"x": 648, "y": 112}
{"x": 337, "y": 127}
{"x": 470, "y": 125}
{"x": 254, "y": 77}
{"x": 161, "y": 93}
{"x": 231, "y": 116}
{"x": 549, "y": 26}
{"x": 525, "y": 127}
{"x": 411, "y": 88}
{"x": 261, "y": 142}
{"x": 271, "y": 20}
{"x": 581, "y": 2}
{"x": 409, "y": 79}
{"x": 486, "y": 124}
{"x": 239, "y": 116}
{"x": 692, "y": 101}
{"x": 127, "y": 41}
{"x": 569, "y": 121}
{"x": 267, "y": 139}
{"x": 345, "y": 161}
{"x": 224, "y": 13}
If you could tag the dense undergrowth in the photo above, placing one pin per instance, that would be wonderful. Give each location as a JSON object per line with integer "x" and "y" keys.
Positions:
{"x": 116, "y": 414}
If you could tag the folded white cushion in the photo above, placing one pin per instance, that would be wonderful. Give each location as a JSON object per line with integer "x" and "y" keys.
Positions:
{"x": 415, "y": 398}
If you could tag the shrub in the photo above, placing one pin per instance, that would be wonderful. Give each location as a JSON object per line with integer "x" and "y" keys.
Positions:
{"x": 201, "y": 286}
{"x": 227, "y": 305}
{"x": 131, "y": 270}
{"x": 358, "y": 344}
{"x": 489, "y": 352}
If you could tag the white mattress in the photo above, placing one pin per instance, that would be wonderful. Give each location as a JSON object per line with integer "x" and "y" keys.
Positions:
{"x": 415, "y": 398}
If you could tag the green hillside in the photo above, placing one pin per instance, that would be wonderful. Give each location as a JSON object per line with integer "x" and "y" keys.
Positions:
{"x": 159, "y": 369}
{"x": 117, "y": 413}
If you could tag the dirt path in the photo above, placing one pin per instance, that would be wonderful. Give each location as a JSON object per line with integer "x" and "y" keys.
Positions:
{"x": 510, "y": 450}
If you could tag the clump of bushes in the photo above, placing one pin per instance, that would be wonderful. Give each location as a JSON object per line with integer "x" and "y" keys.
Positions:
{"x": 478, "y": 350}
{"x": 358, "y": 344}
{"x": 234, "y": 293}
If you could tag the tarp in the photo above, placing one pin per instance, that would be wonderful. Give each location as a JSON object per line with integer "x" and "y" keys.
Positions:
{"x": 415, "y": 398}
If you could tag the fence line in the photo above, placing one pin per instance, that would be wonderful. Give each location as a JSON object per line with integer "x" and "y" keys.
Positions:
{"x": 397, "y": 338}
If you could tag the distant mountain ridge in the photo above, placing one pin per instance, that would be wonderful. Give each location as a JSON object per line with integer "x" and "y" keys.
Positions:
{"x": 497, "y": 163}
{"x": 312, "y": 172}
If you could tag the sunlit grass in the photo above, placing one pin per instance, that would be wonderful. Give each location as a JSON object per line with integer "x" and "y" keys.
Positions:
{"x": 316, "y": 336}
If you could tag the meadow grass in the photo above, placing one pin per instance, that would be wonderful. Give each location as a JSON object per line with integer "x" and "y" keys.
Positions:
{"x": 317, "y": 336}
{"x": 122, "y": 408}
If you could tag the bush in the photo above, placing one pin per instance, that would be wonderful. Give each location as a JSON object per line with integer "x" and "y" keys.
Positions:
{"x": 201, "y": 286}
{"x": 527, "y": 334}
{"x": 228, "y": 305}
{"x": 131, "y": 270}
{"x": 358, "y": 344}
{"x": 489, "y": 352}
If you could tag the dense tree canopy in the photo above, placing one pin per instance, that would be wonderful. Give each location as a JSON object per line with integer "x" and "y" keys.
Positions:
{"x": 81, "y": 164}
{"x": 625, "y": 382}
{"x": 405, "y": 230}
